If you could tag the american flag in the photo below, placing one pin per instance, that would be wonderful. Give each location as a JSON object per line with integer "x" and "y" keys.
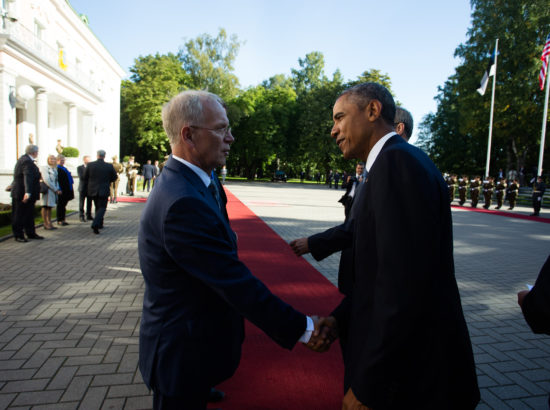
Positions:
{"x": 544, "y": 58}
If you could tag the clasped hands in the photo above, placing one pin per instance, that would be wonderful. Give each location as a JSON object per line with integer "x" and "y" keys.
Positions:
{"x": 324, "y": 334}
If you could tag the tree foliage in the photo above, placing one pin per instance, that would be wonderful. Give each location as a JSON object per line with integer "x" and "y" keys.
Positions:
{"x": 456, "y": 135}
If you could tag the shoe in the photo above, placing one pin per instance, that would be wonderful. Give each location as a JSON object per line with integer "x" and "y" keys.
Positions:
{"x": 82, "y": 219}
{"x": 115, "y": 201}
{"x": 35, "y": 236}
{"x": 21, "y": 239}
{"x": 510, "y": 209}
{"x": 51, "y": 228}
{"x": 534, "y": 215}
{"x": 100, "y": 226}
{"x": 89, "y": 218}
{"x": 63, "y": 223}
{"x": 215, "y": 395}
{"x": 96, "y": 230}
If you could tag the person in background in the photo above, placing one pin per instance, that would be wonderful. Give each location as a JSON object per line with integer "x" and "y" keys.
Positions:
{"x": 49, "y": 199}
{"x": 66, "y": 186}
{"x": 148, "y": 175}
{"x": 535, "y": 304}
{"x": 462, "y": 189}
{"x": 538, "y": 193}
{"x": 25, "y": 192}
{"x": 157, "y": 171}
{"x": 224, "y": 174}
{"x": 119, "y": 169}
{"x": 82, "y": 195}
{"x": 97, "y": 179}
{"x": 59, "y": 147}
{"x": 500, "y": 189}
{"x": 512, "y": 193}
{"x": 475, "y": 186}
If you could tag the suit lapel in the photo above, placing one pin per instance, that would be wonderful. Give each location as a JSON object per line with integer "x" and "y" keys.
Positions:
{"x": 197, "y": 183}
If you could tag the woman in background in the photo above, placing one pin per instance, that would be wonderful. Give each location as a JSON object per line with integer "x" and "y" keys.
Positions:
{"x": 49, "y": 199}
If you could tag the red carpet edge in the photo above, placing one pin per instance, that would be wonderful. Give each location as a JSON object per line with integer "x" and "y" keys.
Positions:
{"x": 503, "y": 213}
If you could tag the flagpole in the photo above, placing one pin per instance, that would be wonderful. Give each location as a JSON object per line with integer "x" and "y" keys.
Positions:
{"x": 544, "y": 118}
{"x": 491, "y": 116}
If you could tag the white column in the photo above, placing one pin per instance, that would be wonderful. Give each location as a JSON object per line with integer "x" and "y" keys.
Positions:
{"x": 88, "y": 134}
{"x": 8, "y": 143}
{"x": 72, "y": 133}
{"x": 42, "y": 125}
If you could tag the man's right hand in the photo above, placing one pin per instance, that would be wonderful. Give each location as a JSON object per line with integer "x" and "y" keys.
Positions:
{"x": 299, "y": 246}
{"x": 324, "y": 334}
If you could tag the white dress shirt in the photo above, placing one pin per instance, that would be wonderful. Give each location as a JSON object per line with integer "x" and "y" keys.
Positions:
{"x": 373, "y": 154}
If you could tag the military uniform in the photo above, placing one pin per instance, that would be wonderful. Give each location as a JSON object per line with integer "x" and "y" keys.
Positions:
{"x": 538, "y": 192}
{"x": 474, "y": 191}
{"x": 500, "y": 189}
{"x": 488, "y": 187}
{"x": 462, "y": 189}
{"x": 131, "y": 172}
{"x": 512, "y": 193}
{"x": 119, "y": 168}
{"x": 451, "y": 183}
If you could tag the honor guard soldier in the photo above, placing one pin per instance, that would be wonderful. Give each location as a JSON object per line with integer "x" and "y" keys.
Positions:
{"x": 500, "y": 189}
{"x": 475, "y": 186}
{"x": 488, "y": 187}
{"x": 131, "y": 172}
{"x": 451, "y": 183}
{"x": 512, "y": 192}
{"x": 538, "y": 192}
{"x": 462, "y": 189}
{"x": 119, "y": 168}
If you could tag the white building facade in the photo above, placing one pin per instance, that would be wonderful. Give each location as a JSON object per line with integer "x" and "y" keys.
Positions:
{"x": 57, "y": 82}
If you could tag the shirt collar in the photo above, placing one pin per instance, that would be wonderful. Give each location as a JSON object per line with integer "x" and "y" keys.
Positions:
{"x": 205, "y": 178}
{"x": 373, "y": 154}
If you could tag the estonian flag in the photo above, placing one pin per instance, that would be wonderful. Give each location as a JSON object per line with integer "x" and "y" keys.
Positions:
{"x": 490, "y": 71}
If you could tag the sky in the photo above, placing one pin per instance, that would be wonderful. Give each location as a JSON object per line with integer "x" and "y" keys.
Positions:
{"x": 411, "y": 41}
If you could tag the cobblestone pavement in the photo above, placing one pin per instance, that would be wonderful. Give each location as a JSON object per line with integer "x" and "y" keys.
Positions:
{"x": 70, "y": 304}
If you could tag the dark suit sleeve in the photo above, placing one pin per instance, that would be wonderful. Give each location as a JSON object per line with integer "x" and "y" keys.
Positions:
{"x": 332, "y": 240}
{"x": 536, "y": 305}
{"x": 85, "y": 180}
{"x": 28, "y": 176}
{"x": 407, "y": 281}
{"x": 197, "y": 240}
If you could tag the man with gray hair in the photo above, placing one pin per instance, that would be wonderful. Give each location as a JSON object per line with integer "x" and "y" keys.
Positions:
{"x": 197, "y": 291}
{"x": 25, "y": 192}
{"x": 403, "y": 123}
{"x": 97, "y": 180}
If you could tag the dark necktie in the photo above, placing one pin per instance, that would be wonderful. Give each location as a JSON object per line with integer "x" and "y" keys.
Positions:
{"x": 214, "y": 191}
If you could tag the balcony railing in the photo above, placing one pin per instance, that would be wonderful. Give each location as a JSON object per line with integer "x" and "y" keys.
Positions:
{"x": 38, "y": 47}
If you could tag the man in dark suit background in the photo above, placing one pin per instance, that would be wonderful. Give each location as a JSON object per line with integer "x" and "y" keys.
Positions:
{"x": 97, "y": 180}
{"x": 197, "y": 291}
{"x": 407, "y": 341}
{"x": 25, "y": 192}
{"x": 148, "y": 174}
{"x": 82, "y": 195}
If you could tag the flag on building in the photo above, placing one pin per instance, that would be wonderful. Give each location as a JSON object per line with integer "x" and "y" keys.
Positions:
{"x": 489, "y": 71}
{"x": 544, "y": 58}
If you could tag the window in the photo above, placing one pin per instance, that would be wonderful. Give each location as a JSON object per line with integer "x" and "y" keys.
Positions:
{"x": 38, "y": 30}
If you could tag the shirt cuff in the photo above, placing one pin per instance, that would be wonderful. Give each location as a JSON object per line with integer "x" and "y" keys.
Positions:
{"x": 309, "y": 330}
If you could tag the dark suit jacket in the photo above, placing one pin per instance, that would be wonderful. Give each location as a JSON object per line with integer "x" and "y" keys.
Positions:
{"x": 65, "y": 185}
{"x": 197, "y": 290}
{"x": 97, "y": 177}
{"x": 81, "y": 186}
{"x": 148, "y": 171}
{"x": 408, "y": 344}
{"x": 26, "y": 179}
{"x": 536, "y": 305}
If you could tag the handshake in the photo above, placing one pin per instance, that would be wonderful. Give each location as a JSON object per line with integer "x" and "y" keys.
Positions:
{"x": 324, "y": 334}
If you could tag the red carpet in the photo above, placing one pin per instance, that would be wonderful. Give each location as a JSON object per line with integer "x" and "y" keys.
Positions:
{"x": 509, "y": 214}
{"x": 131, "y": 199}
{"x": 270, "y": 377}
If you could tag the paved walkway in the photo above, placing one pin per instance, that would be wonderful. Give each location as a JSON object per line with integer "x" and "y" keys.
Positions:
{"x": 70, "y": 304}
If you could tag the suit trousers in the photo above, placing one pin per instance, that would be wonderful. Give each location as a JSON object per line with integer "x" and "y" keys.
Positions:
{"x": 61, "y": 208}
{"x": 147, "y": 182}
{"x": 197, "y": 401}
{"x": 100, "y": 204}
{"x": 81, "y": 197}
{"x": 23, "y": 218}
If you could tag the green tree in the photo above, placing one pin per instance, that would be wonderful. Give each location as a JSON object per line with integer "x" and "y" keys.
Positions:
{"x": 262, "y": 117}
{"x": 209, "y": 63}
{"x": 154, "y": 80}
{"x": 521, "y": 27}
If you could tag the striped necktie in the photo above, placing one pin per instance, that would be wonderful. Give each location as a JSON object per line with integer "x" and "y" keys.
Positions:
{"x": 215, "y": 193}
